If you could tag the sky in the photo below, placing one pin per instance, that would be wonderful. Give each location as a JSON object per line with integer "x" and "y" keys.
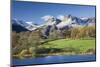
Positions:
{"x": 34, "y": 11}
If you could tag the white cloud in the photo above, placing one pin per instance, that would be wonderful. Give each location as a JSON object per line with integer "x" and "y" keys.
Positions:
{"x": 47, "y": 17}
{"x": 30, "y": 23}
{"x": 61, "y": 17}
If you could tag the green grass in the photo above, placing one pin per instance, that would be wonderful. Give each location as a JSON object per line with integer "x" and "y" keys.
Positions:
{"x": 83, "y": 45}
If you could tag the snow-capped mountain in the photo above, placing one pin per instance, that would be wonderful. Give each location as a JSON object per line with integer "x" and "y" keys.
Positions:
{"x": 75, "y": 21}
{"x": 65, "y": 22}
{"x": 31, "y": 26}
{"x": 50, "y": 22}
{"x": 27, "y": 26}
{"x": 91, "y": 22}
{"x": 18, "y": 27}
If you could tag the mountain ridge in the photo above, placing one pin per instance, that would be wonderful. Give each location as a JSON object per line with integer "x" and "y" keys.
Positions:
{"x": 51, "y": 22}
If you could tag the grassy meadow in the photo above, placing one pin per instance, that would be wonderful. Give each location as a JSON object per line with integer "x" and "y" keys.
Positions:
{"x": 82, "y": 46}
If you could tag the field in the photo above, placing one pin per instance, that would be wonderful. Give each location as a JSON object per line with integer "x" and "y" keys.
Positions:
{"x": 80, "y": 44}
{"x": 72, "y": 46}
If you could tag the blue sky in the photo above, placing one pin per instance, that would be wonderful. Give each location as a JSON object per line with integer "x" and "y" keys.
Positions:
{"x": 33, "y": 11}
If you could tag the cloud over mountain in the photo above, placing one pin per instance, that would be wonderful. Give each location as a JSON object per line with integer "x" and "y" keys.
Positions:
{"x": 47, "y": 17}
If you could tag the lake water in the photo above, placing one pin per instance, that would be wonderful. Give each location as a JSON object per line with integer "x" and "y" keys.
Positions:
{"x": 54, "y": 59}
